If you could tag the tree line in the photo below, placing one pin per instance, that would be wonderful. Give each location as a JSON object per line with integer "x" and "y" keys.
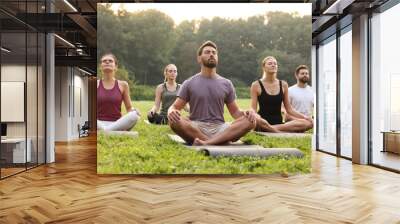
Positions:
{"x": 145, "y": 41}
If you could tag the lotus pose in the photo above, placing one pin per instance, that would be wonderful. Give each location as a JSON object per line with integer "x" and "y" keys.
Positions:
{"x": 301, "y": 95}
{"x": 165, "y": 96}
{"x": 110, "y": 95}
{"x": 207, "y": 92}
{"x": 269, "y": 93}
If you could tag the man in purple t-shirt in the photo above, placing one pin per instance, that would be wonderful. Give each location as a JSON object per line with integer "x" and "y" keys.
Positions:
{"x": 207, "y": 93}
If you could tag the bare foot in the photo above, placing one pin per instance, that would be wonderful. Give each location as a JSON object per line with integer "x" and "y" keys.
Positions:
{"x": 275, "y": 130}
{"x": 197, "y": 141}
{"x": 270, "y": 128}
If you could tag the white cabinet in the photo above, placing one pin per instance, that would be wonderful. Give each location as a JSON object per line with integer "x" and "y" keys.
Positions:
{"x": 15, "y": 148}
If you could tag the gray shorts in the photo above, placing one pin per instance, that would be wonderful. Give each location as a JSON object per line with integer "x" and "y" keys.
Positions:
{"x": 210, "y": 129}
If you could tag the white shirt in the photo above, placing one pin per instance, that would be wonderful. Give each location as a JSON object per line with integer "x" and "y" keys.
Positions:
{"x": 302, "y": 99}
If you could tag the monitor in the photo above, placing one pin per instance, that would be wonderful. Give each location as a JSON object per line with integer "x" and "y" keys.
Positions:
{"x": 3, "y": 129}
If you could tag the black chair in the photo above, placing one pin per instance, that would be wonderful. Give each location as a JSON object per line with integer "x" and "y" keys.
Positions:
{"x": 84, "y": 130}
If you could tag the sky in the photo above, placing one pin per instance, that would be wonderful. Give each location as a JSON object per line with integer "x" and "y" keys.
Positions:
{"x": 189, "y": 11}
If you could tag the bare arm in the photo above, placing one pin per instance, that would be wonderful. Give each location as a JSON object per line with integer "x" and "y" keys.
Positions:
{"x": 289, "y": 109}
{"x": 179, "y": 104}
{"x": 125, "y": 96}
{"x": 236, "y": 113}
{"x": 174, "y": 114}
{"x": 157, "y": 100}
{"x": 187, "y": 108}
{"x": 234, "y": 110}
{"x": 254, "y": 89}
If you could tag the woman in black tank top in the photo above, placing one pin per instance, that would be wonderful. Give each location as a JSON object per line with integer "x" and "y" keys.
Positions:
{"x": 269, "y": 93}
{"x": 270, "y": 105}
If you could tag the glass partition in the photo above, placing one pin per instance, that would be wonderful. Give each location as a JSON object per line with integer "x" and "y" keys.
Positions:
{"x": 22, "y": 88}
{"x": 13, "y": 103}
{"x": 346, "y": 92}
{"x": 385, "y": 89}
{"x": 327, "y": 96}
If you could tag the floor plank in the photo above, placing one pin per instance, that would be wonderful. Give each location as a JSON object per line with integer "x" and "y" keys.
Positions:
{"x": 70, "y": 191}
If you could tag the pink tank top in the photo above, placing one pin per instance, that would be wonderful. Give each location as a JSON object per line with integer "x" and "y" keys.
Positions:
{"x": 109, "y": 102}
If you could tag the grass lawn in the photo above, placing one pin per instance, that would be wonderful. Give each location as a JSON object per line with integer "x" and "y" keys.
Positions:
{"x": 154, "y": 153}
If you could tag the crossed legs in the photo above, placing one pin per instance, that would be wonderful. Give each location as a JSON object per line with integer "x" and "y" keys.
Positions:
{"x": 125, "y": 123}
{"x": 298, "y": 125}
{"x": 185, "y": 130}
{"x": 234, "y": 132}
{"x": 193, "y": 134}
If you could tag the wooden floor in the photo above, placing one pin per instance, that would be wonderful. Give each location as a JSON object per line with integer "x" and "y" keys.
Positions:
{"x": 70, "y": 191}
{"x": 10, "y": 171}
{"x": 387, "y": 159}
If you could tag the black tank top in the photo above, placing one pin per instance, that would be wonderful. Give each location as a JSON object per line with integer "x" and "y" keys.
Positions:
{"x": 270, "y": 105}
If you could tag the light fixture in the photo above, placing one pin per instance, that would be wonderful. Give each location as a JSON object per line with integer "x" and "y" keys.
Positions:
{"x": 5, "y": 50}
{"x": 70, "y": 5}
{"x": 65, "y": 41}
{"x": 84, "y": 71}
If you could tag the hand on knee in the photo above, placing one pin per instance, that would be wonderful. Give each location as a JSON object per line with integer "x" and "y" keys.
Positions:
{"x": 133, "y": 116}
{"x": 175, "y": 125}
{"x": 310, "y": 125}
{"x": 252, "y": 125}
{"x": 248, "y": 124}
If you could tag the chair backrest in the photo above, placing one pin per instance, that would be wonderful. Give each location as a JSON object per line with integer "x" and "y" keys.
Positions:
{"x": 86, "y": 125}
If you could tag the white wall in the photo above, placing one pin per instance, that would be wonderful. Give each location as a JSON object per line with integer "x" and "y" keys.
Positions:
{"x": 61, "y": 103}
{"x": 14, "y": 73}
{"x": 71, "y": 94}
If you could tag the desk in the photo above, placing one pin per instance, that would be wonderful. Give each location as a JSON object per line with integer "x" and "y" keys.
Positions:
{"x": 13, "y": 150}
{"x": 391, "y": 141}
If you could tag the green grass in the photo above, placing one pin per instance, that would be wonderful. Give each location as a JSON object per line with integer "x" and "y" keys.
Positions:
{"x": 154, "y": 153}
{"x": 146, "y": 92}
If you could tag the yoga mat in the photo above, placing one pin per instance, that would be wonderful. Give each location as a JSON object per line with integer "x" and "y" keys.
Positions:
{"x": 122, "y": 133}
{"x": 240, "y": 149}
{"x": 177, "y": 138}
{"x": 284, "y": 134}
{"x": 250, "y": 150}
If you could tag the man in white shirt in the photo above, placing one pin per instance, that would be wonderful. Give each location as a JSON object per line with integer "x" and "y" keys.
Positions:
{"x": 301, "y": 95}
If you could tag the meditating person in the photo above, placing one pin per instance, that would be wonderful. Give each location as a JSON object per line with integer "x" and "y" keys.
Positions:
{"x": 269, "y": 93}
{"x": 110, "y": 95}
{"x": 301, "y": 95}
{"x": 207, "y": 92}
{"x": 165, "y": 96}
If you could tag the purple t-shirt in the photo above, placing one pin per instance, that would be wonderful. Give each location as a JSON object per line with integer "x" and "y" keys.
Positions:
{"x": 207, "y": 96}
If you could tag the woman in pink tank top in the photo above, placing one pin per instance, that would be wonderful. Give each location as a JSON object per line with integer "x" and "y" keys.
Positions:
{"x": 110, "y": 95}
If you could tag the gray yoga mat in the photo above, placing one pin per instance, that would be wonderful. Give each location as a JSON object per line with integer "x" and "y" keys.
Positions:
{"x": 239, "y": 149}
{"x": 121, "y": 133}
{"x": 284, "y": 134}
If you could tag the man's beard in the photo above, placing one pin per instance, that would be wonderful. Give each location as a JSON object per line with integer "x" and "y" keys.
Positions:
{"x": 304, "y": 80}
{"x": 210, "y": 64}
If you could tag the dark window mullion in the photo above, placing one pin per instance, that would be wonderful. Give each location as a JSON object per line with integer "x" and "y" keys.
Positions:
{"x": 26, "y": 86}
{"x": 369, "y": 90}
{"x": 316, "y": 96}
{"x": 338, "y": 98}
{"x": 37, "y": 91}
